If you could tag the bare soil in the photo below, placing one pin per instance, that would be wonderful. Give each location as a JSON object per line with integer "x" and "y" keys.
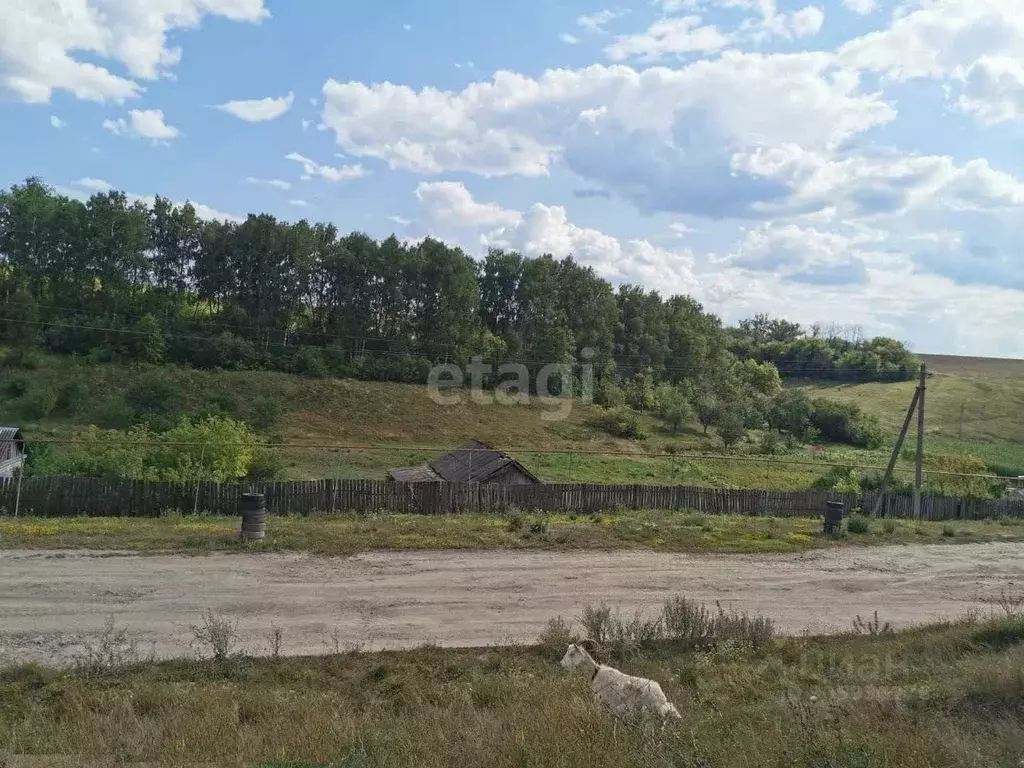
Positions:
{"x": 51, "y": 601}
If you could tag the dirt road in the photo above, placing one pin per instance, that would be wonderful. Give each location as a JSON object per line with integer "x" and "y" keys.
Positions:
{"x": 467, "y": 598}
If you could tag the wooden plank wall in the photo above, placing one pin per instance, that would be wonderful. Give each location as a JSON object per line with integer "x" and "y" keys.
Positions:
{"x": 74, "y": 496}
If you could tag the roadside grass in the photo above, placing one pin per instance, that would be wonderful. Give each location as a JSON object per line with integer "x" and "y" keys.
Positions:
{"x": 946, "y": 696}
{"x": 667, "y": 531}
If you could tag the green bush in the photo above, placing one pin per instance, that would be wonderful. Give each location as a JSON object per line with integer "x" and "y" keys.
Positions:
{"x": 221, "y": 404}
{"x": 39, "y": 403}
{"x": 624, "y": 423}
{"x": 155, "y": 392}
{"x": 846, "y": 423}
{"x": 266, "y": 412}
{"x": 859, "y": 525}
{"x": 889, "y": 526}
{"x": 731, "y": 427}
{"x": 16, "y": 387}
{"x": 311, "y": 362}
{"x": 948, "y": 531}
{"x": 116, "y": 414}
{"x": 74, "y": 397}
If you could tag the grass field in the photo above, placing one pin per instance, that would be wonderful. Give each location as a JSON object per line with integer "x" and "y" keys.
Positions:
{"x": 344, "y": 412}
{"x": 948, "y": 696}
{"x": 662, "y": 531}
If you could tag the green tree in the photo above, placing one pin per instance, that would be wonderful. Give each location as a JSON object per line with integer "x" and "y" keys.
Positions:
{"x": 731, "y": 428}
{"x": 674, "y": 407}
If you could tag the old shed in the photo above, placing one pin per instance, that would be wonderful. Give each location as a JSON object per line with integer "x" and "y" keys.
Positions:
{"x": 12, "y": 451}
{"x": 474, "y": 462}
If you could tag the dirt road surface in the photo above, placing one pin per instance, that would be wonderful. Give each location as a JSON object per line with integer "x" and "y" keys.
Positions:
{"x": 49, "y": 600}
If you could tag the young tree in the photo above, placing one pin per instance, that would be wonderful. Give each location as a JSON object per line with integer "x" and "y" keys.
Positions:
{"x": 730, "y": 427}
{"x": 674, "y": 407}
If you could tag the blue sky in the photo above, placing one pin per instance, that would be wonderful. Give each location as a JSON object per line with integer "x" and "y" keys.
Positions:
{"x": 850, "y": 161}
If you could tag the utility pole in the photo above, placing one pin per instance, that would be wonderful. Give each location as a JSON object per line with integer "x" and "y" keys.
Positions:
{"x": 896, "y": 453}
{"x": 920, "y": 443}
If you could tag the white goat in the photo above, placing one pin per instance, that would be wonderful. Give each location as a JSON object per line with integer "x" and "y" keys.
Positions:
{"x": 623, "y": 694}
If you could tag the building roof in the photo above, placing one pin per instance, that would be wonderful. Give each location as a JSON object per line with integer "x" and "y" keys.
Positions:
{"x": 475, "y": 462}
{"x": 11, "y": 433}
{"x": 421, "y": 474}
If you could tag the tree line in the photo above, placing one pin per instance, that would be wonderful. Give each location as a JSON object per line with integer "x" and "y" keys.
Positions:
{"x": 124, "y": 280}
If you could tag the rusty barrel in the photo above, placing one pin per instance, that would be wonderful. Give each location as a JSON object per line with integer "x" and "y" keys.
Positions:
{"x": 254, "y": 517}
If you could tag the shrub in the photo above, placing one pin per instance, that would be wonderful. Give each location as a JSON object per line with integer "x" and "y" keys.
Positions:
{"x": 846, "y": 423}
{"x": 556, "y": 637}
{"x": 116, "y": 415}
{"x": 624, "y": 423}
{"x": 873, "y": 626}
{"x": 266, "y": 412}
{"x": 155, "y": 392}
{"x": 40, "y": 403}
{"x": 687, "y": 622}
{"x": 267, "y": 466}
{"x": 516, "y": 521}
{"x": 220, "y": 404}
{"x": 948, "y": 531}
{"x": 74, "y": 397}
{"x": 1000, "y": 635}
{"x": 859, "y": 524}
{"x": 217, "y": 635}
{"x": 311, "y": 362}
{"x": 770, "y": 444}
{"x": 16, "y": 387}
{"x": 889, "y": 526}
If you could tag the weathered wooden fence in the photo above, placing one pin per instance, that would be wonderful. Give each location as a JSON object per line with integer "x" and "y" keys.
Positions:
{"x": 73, "y": 496}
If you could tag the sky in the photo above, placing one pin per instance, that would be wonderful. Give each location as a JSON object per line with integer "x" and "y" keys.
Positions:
{"x": 850, "y": 161}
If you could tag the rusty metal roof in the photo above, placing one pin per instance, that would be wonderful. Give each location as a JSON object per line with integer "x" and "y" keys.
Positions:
{"x": 11, "y": 433}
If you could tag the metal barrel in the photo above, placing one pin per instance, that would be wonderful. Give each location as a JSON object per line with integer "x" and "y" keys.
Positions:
{"x": 834, "y": 511}
{"x": 254, "y": 517}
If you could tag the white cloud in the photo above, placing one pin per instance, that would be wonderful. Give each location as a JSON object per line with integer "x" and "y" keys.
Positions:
{"x": 259, "y": 110}
{"x": 93, "y": 185}
{"x": 862, "y": 7}
{"x": 807, "y": 21}
{"x": 407, "y": 27}
{"x": 884, "y": 183}
{"x": 667, "y": 37}
{"x": 306, "y": 124}
{"x": 450, "y": 203}
{"x": 39, "y": 40}
{"x": 847, "y": 278}
{"x": 400, "y": 221}
{"x": 568, "y": 39}
{"x": 56, "y": 122}
{"x": 651, "y": 135}
{"x": 298, "y": 203}
{"x": 269, "y": 182}
{"x": 977, "y": 44}
{"x": 993, "y": 90}
{"x": 450, "y": 212}
{"x": 596, "y": 22}
{"x": 146, "y": 124}
{"x": 312, "y": 169}
{"x": 804, "y": 255}
{"x": 680, "y": 229}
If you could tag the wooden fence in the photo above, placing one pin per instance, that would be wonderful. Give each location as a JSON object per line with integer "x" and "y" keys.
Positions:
{"x": 74, "y": 496}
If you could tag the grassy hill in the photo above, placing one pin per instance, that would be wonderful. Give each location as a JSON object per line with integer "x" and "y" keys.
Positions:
{"x": 411, "y": 427}
{"x": 973, "y": 405}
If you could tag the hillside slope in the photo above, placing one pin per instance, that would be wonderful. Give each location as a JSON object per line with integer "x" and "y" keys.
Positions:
{"x": 328, "y": 413}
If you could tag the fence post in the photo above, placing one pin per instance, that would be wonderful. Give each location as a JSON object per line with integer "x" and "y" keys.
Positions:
{"x": 17, "y": 494}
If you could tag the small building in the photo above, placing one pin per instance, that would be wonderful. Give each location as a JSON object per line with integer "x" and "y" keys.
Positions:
{"x": 12, "y": 452}
{"x": 474, "y": 462}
